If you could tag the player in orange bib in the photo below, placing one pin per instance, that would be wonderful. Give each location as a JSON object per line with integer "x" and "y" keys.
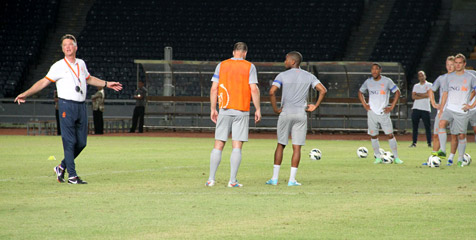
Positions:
{"x": 235, "y": 84}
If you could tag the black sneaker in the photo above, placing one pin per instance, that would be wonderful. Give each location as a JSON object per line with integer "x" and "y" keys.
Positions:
{"x": 413, "y": 145}
{"x": 59, "y": 173}
{"x": 76, "y": 180}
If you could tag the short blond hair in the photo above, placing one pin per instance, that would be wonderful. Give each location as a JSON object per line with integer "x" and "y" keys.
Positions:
{"x": 460, "y": 55}
{"x": 450, "y": 58}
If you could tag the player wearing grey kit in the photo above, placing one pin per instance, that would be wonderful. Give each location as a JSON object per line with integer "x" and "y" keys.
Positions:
{"x": 456, "y": 94}
{"x": 379, "y": 88}
{"x": 295, "y": 84}
{"x": 472, "y": 111}
{"x": 441, "y": 80}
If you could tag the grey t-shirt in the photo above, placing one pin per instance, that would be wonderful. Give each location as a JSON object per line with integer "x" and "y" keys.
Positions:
{"x": 295, "y": 84}
{"x": 438, "y": 83}
{"x": 459, "y": 89}
{"x": 379, "y": 93}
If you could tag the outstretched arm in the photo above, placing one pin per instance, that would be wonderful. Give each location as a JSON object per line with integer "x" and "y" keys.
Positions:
{"x": 38, "y": 86}
{"x": 116, "y": 86}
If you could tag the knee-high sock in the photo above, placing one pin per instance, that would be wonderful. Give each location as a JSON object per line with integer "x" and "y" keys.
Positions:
{"x": 276, "y": 171}
{"x": 442, "y": 137}
{"x": 215, "y": 159}
{"x": 235, "y": 160}
{"x": 393, "y": 145}
{"x": 461, "y": 148}
{"x": 292, "y": 176}
{"x": 376, "y": 146}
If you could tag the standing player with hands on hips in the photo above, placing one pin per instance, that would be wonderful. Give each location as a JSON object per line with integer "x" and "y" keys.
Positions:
{"x": 71, "y": 78}
{"x": 456, "y": 97}
{"x": 378, "y": 111}
{"x": 235, "y": 83}
{"x": 295, "y": 84}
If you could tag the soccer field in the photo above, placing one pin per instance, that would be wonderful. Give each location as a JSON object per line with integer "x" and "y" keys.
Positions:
{"x": 153, "y": 188}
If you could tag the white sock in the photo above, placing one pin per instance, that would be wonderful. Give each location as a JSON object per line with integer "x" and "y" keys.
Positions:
{"x": 276, "y": 172}
{"x": 215, "y": 159}
{"x": 235, "y": 160}
{"x": 442, "y": 137}
{"x": 376, "y": 146}
{"x": 452, "y": 155}
{"x": 393, "y": 145}
{"x": 292, "y": 177}
{"x": 461, "y": 148}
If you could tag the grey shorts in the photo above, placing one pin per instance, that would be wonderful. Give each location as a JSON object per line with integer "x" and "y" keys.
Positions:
{"x": 472, "y": 118}
{"x": 374, "y": 120}
{"x": 294, "y": 124}
{"x": 458, "y": 121}
{"x": 237, "y": 125}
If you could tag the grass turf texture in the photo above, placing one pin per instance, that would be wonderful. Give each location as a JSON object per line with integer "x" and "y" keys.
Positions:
{"x": 151, "y": 188}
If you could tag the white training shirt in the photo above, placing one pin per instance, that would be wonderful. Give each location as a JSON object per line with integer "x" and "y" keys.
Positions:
{"x": 474, "y": 99}
{"x": 379, "y": 93}
{"x": 424, "y": 103}
{"x": 459, "y": 89}
{"x": 66, "y": 79}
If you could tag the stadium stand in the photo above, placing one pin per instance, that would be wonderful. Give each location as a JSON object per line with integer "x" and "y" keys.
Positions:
{"x": 405, "y": 33}
{"x": 117, "y": 32}
{"x": 23, "y": 28}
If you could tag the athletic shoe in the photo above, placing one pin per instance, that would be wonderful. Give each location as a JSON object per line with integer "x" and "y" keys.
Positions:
{"x": 76, "y": 180}
{"x": 293, "y": 183}
{"x": 210, "y": 183}
{"x": 397, "y": 161}
{"x": 429, "y": 145}
{"x": 460, "y": 164}
{"x": 413, "y": 145}
{"x": 424, "y": 164}
{"x": 59, "y": 173}
{"x": 441, "y": 154}
{"x": 235, "y": 184}
{"x": 378, "y": 160}
{"x": 449, "y": 163}
{"x": 272, "y": 182}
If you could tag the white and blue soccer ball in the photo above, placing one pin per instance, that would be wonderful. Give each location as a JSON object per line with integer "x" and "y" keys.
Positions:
{"x": 466, "y": 160}
{"x": 362, "y": 152}
{"x": 433, "y": 161}
{"x": 315, "y": 154}
{"x": 389, "y": 155}
{"x": 386, "y": 159}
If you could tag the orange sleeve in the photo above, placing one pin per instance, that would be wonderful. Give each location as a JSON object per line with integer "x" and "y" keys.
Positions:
{"x": 51, "y": 80}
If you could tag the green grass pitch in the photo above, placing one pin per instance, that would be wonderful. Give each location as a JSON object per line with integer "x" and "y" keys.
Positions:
{"x": 153, "y": 188}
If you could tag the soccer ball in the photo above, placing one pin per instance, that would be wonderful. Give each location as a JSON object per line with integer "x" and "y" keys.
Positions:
{"x": 386, "y": 159}
{"x": 466, "y": 160}
{"x": 433, "y": 161}
{"x": 382, "y": 152}
{"x": 362, "y": 152}
{"x": 315, "y": 154}
{"x": 389, "y": 155}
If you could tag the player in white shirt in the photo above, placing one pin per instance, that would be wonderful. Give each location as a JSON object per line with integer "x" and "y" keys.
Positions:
{"x": 378, "y": 111}
{"x": 421, "y": 108}
{"x": 71, "y": 78}
{"x": 456, "y": 94}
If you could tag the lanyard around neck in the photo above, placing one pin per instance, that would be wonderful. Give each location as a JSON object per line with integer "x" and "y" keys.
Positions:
{"x": 77, "y": 75}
